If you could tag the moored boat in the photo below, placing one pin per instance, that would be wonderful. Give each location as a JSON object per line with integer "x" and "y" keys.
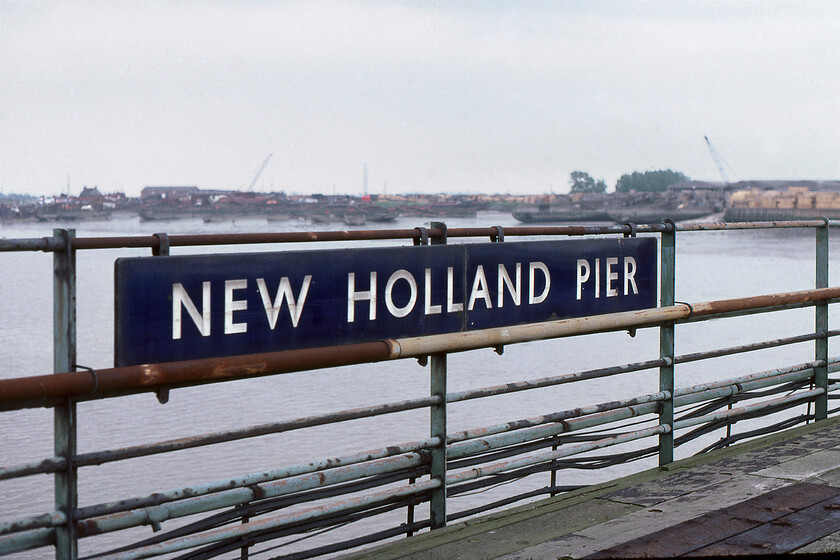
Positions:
{"x": 655, "y": 214}
{"x": 534, "y": 214}
{"x": 354, "y": 219}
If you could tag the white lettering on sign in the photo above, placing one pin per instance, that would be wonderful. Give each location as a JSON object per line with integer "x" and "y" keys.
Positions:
{"x": 451, "y": 306}
{"x": 353, "y": 296}
{"x": 201, "y": 319}
{"x": 515, "y": 290}
{"x": 611, "y": 276}
{"x": 479, "y": 293}
{"x": 532, "y": 269}
{"x": 405, "y": 275}
{"x": 617, "y": 275}
{"x": 611, "y": 262}
{"x": 630, "y": 274}
{"x": 180, "y": 298}
{"x": 479, "y": 290}
{"x": 284, "y": 292}
{"x": 232, "y": 305}
{"x": 430, "y": 309}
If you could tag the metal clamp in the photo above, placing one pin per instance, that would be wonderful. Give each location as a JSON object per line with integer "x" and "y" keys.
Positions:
{"x": 442, "y": 227}
{"x": 162, "y": 249}
{"x": 632, "y": 232}
{"x": 93, "y": 373}
{"x": 690, "y": 309}
{"x": 499, "y": 236}
{"x": 671, "y": 225}
{"x": 163, "y": 394}
{"x": 424, "y": 236}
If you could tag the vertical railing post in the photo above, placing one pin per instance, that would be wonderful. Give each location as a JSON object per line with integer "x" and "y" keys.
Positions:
{"x": 64, "y": 360}
{"x": 437, "y": 506}
{"x": 667, "y": 256}
{"x": 821, "y": 325}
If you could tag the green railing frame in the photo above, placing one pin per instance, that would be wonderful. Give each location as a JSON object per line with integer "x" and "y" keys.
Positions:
{"x": 63, "y": 244}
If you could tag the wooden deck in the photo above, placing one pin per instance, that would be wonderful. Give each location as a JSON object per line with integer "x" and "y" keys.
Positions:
{"x": 773, "y": 495}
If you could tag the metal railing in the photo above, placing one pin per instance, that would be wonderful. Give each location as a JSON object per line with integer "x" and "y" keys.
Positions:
{"x": 232, "y": 517}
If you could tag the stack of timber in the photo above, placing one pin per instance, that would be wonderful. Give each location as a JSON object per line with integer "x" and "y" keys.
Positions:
{"x": 793, "y": 203}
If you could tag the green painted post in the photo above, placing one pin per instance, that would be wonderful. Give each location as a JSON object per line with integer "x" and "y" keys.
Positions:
{"x": 437, "y": 511}
{"x": 64, "y": 358}
{"x": 666, "y": 342}
{"x": 437, "y": 506}
{"x": 821, "y": 325}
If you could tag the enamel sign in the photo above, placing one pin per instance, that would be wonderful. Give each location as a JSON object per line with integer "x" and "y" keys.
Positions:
{"x": 197, "y": 306}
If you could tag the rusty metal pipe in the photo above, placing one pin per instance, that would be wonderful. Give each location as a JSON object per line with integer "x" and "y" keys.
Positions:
{"x": 151, "y": 376}
{"x": 28, "y": 392}
{"x": 116, "y": 242}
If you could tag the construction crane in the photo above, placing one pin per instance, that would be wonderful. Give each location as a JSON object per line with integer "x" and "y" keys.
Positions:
{"x": 258, "y": 173}
{"x": 717, "y": 160}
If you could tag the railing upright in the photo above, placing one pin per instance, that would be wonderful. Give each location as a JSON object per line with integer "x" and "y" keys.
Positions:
{"x": 64, "y": 359}
{"x": 438, "y": 428}
{"x": 821, "y": 325}
{"x": 666, "y": 342}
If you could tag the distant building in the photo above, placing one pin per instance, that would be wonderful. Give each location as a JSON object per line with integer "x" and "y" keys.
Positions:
{"x": 90, "y": 193}
{"x": 169, "y": 193}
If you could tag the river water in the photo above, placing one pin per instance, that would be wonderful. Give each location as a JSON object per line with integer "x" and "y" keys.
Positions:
{"x": 710, "y": 266}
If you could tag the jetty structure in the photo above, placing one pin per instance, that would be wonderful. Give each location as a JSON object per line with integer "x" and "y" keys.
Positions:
{"x": 207, "y": 434}
{"x": 742, "y": 201}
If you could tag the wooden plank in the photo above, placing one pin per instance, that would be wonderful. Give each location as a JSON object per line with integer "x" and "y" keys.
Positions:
{"x": 782, "y": 535}
{"x": 700, "y": 533}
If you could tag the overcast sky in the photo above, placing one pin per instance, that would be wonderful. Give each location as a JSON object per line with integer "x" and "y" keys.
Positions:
{"x": 432, "y": 96}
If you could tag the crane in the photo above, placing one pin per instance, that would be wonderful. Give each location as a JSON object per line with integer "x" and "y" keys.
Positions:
{"x": 259, "y": 172}
{"x": 717, "y": 160}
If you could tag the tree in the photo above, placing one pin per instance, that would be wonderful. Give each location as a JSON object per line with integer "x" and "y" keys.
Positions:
{"x": 582, "y": 182}
{"x": 649, "y": 181}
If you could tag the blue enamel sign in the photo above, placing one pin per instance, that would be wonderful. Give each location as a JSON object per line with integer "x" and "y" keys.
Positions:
{"x": 197, "y": 306}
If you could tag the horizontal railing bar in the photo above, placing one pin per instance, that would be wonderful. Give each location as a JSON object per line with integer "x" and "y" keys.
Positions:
{"x": 472, "y": 340}
{"x": 190, "y": 506}
{"x": 263, "y": 524}
{"x": 683, "y": 396}
{"x": 100, "y": 457}
{"x": 55, "y": 464}
{"x": 764, "y": 345}
{"x": 245, "y": 529}
{"x": 51, "y": 465}
{"x": 743, "y": 380}
{"x": 780, "y": 383}
{"x": 482, "y": 444}
{"x": 35, "y": 522}
{"x": 553, "y": 380}
{"x": 257, "y": 478}
{"x": 26, "y": 541}
{"x": 720, "y": 226}
{"x": 28, "y": 392}
{"x": 36, "y": 391}
{"x": 551, "y": 418}
{"x": 627, "y": 368}
{"x": 749, "y": 409}
{"x": 753, "y": 311}
{"x": 263, "y": 507}
{"x": 56, "y": 518}
{"x": 48, "y": 244}
{"x": 572, "y": 449}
